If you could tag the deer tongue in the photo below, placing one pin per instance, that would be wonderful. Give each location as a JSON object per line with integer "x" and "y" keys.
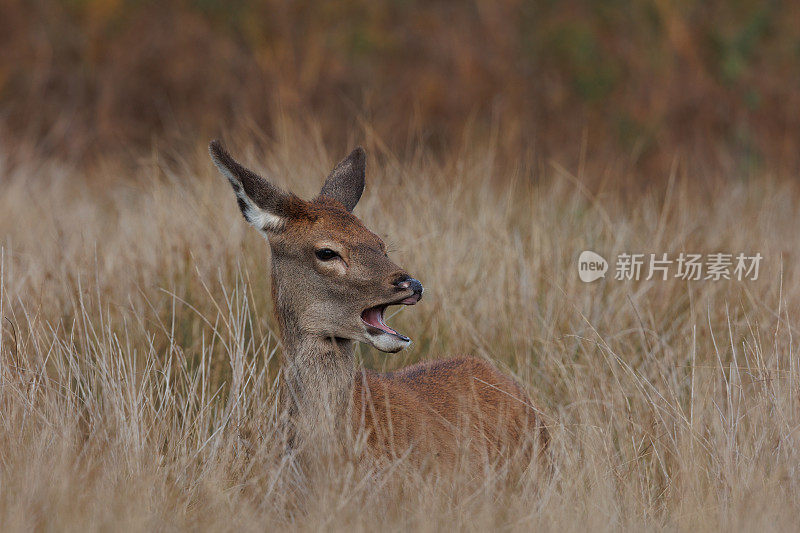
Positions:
{"x": 374, "y": 317}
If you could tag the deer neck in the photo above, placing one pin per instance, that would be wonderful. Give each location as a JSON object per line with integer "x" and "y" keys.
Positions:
{"x": 318, "y": 374}
{"x": 318, "y": 371}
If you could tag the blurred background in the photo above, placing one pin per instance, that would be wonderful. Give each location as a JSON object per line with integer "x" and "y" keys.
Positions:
{"x": 636, "y": 84}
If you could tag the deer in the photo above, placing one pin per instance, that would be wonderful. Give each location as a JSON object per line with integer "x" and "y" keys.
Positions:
{"x": 332, "y": 282}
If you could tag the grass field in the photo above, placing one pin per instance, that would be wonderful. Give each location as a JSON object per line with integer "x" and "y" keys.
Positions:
{"x": 138, "y": 344}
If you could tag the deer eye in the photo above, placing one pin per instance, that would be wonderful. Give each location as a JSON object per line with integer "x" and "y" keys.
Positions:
{"x": 325, "y": 254}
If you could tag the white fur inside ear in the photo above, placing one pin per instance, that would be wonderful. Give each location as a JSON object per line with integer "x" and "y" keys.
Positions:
{"x": 260, "y": 218}
{"x": 263, "y": 220}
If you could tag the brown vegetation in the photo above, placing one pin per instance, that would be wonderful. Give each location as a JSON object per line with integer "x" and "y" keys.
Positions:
{"x": 139, "y": 348}
{"x": 631, "y": 84}
{"x": 138, "y": 352}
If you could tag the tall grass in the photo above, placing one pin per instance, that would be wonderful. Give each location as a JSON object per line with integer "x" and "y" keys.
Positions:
{"x": 139, "y": 357}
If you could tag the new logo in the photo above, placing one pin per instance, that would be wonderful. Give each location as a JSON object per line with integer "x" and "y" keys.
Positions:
{"x": 591, "y": 266}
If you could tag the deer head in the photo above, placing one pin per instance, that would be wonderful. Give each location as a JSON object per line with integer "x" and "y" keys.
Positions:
{"x": 332, "y": 277}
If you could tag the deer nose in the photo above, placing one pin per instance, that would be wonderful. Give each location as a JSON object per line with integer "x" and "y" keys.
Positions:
{"x": 407, "y": 282}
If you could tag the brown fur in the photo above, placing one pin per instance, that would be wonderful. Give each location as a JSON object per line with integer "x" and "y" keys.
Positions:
{"x": 445, "y": 405}
{"x": 434, "y": 409}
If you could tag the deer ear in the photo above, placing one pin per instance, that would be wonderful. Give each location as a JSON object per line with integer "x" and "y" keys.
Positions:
{"x": 264, "y": 206}
{"x": 346, "y": 182}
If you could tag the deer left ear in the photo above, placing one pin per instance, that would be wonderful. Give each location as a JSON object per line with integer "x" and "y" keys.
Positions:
{"x": 264, "y": 206}
{"x": 346, "y": 182}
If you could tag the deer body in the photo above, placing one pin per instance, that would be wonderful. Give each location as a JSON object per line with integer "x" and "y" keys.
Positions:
{"x": 445, "y": 406}
{"x": 332, "y": 281}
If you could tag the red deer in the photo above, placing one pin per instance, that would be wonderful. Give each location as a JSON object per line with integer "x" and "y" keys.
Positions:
{"x": 332, "y": 281}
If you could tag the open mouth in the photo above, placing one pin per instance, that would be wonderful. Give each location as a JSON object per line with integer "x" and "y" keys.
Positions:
{"x": 374, "y": 317}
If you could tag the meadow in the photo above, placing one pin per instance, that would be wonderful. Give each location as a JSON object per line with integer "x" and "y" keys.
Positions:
{"x": 138, "y": 344}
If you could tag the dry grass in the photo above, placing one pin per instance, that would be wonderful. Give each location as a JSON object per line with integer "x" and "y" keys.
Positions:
{"x": 138, "y": 339}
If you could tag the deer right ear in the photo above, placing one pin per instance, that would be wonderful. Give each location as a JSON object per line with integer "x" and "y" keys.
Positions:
{"x": 264, "y": 206}
{"x": 346, "y": 182}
